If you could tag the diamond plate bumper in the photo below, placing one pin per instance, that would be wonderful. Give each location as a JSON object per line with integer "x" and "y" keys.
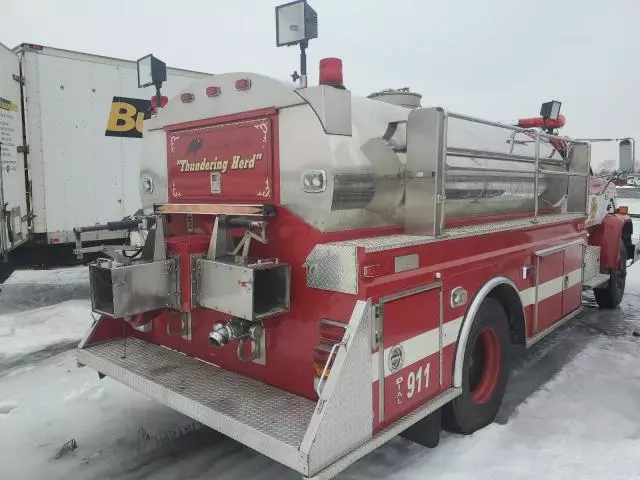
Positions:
{"x": 263, "y": 417}
{"x": 315, "y": 438}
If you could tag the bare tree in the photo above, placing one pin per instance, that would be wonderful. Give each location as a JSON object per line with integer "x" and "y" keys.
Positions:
{"x": 606, "y": 167}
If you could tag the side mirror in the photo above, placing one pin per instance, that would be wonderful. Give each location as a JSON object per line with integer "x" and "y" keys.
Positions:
{"x": 627, "y": 155}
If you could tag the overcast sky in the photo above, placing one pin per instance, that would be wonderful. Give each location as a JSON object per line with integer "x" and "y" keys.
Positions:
{"x": 498, "y": 59}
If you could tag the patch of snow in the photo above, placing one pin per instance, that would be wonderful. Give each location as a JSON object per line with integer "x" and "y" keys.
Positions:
{"x": 583, "y": 424}
{"x": 58, "y": 276}
{"x": 27, "y": 332}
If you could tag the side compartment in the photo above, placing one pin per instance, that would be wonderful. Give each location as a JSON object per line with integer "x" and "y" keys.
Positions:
{"x": 410, "y": 368}
{"x": 556, "y": 293}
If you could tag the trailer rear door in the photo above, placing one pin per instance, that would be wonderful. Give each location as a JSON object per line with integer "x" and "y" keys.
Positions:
{"x": 13, "y": 197}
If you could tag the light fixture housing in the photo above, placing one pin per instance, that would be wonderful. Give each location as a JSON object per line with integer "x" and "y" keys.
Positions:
{"x": 296, "y": 22}
{"x": 550, "y": 110}
{"x": 151, "y": 71}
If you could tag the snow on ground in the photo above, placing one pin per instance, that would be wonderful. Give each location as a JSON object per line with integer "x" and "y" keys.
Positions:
{"x": 570, "y": 411}
{"x": 58, "y": 311}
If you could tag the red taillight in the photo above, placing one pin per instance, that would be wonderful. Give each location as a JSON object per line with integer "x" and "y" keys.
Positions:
{"x": 163, "y": 101}
{"x": 331, "y": 72}
{"x": 541, "y": 122}
{"x": 243, "y": 84}
{"x": 187, "y": 97}
{"x": 213, "y": 91}
{"x": 331, "y": 331}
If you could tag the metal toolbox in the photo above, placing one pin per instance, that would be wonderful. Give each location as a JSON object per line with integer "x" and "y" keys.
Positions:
{"x": 119, "y": 290}
{"x": 253, "y": 290}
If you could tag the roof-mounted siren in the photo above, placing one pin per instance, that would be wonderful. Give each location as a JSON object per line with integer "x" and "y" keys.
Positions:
{"x": 152, "y": 71}
{"x": 627, "y": 152}
{"x": 296, "y": 24}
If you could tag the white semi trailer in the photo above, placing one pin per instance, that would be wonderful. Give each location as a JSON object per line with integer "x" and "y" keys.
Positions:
{"x": 70, "y": 128}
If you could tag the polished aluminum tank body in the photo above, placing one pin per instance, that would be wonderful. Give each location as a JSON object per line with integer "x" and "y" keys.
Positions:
{"x": 359, "y": 144}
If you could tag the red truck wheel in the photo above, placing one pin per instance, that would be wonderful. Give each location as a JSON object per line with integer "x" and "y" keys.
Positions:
{"x": 485, "y": 371}
{"x": 611, "y": 294}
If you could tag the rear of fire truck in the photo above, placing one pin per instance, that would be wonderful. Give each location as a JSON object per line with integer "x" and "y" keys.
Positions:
{"x": 322, "y": 272}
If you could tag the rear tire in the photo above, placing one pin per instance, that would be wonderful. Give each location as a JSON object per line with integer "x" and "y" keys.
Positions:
{"x": 610, "y": 295}
{"x": 485, "y": 371}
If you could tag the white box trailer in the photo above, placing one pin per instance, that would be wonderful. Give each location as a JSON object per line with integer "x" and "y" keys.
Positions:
{"x": 59, "y": 168}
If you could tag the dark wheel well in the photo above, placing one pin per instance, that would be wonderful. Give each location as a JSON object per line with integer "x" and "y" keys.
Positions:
{"x": 627, "y": 234}
{"x": 510, "y": 301}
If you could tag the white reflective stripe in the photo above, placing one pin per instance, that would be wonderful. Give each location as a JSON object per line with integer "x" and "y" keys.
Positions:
{"x": 419, "y": 347}
{"x": 428, "y": 343}
{"x": 550, "y": 288}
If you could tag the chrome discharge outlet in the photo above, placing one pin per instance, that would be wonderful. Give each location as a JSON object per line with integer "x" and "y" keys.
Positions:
{"x": 235, "y": 330}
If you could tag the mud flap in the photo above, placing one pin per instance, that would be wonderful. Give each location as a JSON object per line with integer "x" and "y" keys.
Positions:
{"x": 426, "y": 432}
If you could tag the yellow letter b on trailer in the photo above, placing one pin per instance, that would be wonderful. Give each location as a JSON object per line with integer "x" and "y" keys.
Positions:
{"x": 126, "y": 117}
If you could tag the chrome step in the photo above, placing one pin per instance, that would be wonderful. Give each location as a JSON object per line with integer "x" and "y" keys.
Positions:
{"x": 595, "y": 281}
{"x": 263, "y": 417}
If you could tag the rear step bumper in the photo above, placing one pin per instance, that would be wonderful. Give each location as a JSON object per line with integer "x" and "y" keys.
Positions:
{"x": 318, "y": 439}
{"x": 258, "y": 415}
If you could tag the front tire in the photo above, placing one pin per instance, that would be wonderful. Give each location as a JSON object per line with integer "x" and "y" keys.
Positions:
{"x": 485, "y": 371}
{"x": 611, "y": 294}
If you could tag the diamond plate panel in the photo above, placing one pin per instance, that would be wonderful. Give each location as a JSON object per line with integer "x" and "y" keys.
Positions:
{"x": 343, "y": 420}
{"x": 378, "y": 244}
{"x": 333, "y": 266}
{"x": 591, "y": 262}
{"x": 388, "y": 433}
{"x": 258, "y": 415}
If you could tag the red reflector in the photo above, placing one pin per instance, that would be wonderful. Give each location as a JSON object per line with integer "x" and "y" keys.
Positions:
{"x": 213, "y": 91}
{"x": 331, "y": 72}
{"x": 187, "y": 97}
{"x": 32, "y": 46}
{"x": 243, "y": 84}
{"x": 163, "y": 101}
{"x": 55, "y": 240}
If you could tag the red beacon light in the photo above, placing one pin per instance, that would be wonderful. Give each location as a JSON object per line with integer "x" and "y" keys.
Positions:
{"x": 163, "y": 102}
{"x": 540, "y": 122}
{"x": 331, "y": 72}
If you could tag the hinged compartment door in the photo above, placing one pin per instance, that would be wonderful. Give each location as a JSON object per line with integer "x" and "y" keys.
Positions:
{"x": 13, "y": 196}
{"x": 548, "y": 292}
{"x": 412, "y": 349}
{"x": 572, "y": 286}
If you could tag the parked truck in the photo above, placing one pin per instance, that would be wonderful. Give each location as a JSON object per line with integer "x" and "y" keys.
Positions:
{"x": 70, "y": 128}
{"x": 323, "y": 271}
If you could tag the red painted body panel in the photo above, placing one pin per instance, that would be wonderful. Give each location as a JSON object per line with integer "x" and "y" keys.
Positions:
{"x": 405, "y": 319}
{"x": 411, "y": 387}
{"x": 572, "y": 295}
{"x": 232, "y": 162}
{"x": 550, "y": 309}
{"x": 607, "y": 236}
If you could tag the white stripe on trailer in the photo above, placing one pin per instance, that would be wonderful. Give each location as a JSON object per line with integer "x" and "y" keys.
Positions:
{"x": 428, "y": 343}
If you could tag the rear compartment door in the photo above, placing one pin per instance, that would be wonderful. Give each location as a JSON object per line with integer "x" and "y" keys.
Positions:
{"x": 13, "y": 193}
{"x": 412, "y": 347}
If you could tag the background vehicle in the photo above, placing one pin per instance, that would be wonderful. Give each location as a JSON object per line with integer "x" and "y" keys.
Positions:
{"x": 59, "y": 169}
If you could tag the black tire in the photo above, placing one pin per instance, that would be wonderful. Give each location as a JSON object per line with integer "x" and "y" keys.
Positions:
{"x": 610, "y": 295}
{"x": 485, "y": 376}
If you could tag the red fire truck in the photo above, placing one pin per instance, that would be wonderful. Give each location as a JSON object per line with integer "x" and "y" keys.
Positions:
{"x": 322, "y": 271}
